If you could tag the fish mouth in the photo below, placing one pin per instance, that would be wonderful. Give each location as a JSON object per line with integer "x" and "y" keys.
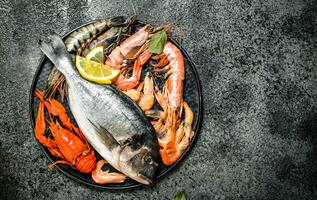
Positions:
{"x": 143, "y": 179}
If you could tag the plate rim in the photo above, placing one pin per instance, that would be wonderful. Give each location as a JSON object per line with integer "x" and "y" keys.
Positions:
{"x": 196, "y": 129}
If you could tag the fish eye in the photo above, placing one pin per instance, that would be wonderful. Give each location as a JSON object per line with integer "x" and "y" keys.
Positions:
{"x": 149, "y": 160}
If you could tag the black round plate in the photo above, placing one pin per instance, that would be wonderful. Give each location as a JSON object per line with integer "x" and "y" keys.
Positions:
{"x": 192, "y": 94}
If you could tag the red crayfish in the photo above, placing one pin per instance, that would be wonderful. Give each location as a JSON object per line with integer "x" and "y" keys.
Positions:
{"x": 68, "y": 142}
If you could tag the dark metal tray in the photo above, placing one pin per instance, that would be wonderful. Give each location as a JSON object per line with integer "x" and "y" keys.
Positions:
{"x": 192, "y": 94}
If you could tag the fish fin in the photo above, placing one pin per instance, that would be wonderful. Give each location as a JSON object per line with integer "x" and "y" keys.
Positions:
{"x": 109, "y": 140}
{"x": 54, "y": 48}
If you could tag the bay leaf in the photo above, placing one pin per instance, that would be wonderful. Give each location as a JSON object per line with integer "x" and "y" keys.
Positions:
{"x": 180, "y": 196}
{"x": 157, "y": 42}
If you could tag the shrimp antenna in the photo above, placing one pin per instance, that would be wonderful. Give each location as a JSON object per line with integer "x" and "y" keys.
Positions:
{"x": 135, "y": 10}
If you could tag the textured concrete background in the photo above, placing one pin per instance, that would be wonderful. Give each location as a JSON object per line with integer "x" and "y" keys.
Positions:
{"x": 258, "y": 66}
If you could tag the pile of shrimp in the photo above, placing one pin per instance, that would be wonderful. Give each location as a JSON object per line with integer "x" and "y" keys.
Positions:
{"x": 173, "y": 122}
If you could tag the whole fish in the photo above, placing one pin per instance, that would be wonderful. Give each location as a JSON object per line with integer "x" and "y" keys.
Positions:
{"x": 112, "y": 123}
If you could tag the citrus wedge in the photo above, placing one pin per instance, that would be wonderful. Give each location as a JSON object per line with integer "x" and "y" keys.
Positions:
{"x": 94, "y": 71}
{"x": 96, "y": 54}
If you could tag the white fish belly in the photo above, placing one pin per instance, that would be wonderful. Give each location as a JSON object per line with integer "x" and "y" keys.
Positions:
{"x": 112, "y": 156}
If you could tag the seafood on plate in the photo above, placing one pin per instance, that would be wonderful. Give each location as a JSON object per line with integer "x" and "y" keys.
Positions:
{"x": 112, "y": 123}
{"x": 146, "y": 98}
{"x": 134, "y": 48}
{"x": 110, "y": 38}
{"x": 99, "y": 33}
{"x": 174, "y": 134}
{"x": 106, "y": 40}
{"x": 104, "y": 177}
{"x": 68, "y": 144}
{"x": 132, "y": 124}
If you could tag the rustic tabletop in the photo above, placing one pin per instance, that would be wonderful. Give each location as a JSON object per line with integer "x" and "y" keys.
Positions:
{"x": 257, "y": 65}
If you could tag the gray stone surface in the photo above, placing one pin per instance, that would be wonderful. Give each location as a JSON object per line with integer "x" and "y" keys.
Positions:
{"x": 258, "y": 67}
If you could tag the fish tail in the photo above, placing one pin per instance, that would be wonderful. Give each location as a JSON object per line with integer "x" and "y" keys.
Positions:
{"x": 54, "y": 48}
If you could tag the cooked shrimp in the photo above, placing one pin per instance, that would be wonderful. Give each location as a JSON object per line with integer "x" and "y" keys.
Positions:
{"x": 174, "y": 134}
{"x": 133, "y": 48}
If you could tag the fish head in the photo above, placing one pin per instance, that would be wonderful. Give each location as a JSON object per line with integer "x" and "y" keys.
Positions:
{"x": 139, "y": 164}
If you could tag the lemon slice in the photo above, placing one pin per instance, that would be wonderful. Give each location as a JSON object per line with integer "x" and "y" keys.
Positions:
{"x": 95, "y": 72}
{"x": 96, "y": 54}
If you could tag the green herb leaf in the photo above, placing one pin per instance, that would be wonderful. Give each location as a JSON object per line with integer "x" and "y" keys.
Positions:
{"x": 180, "y": 196}
{"x": 157, "y": 42}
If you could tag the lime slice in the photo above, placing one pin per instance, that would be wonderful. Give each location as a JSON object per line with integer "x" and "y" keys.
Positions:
{"x": 96, "y": 54}
{"x": 94, "y": 71}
